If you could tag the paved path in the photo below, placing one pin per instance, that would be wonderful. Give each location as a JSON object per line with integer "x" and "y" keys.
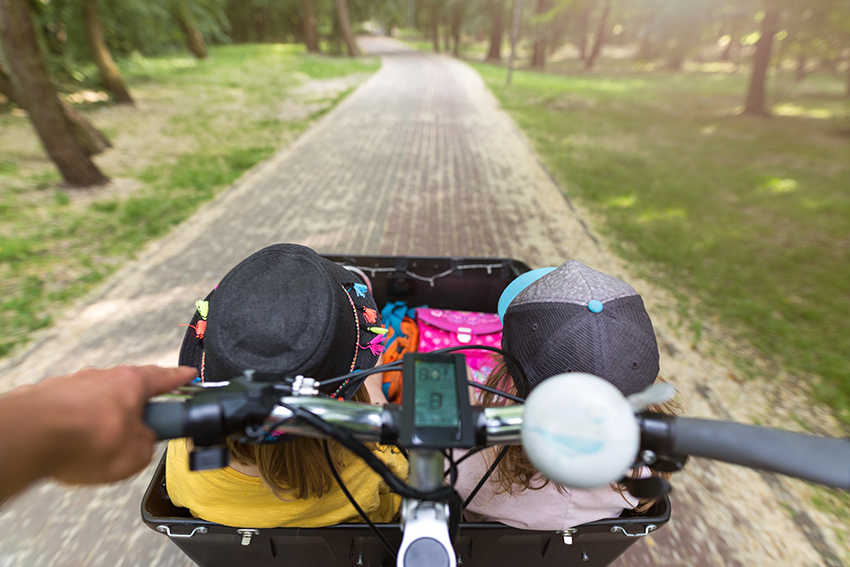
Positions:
{"x": 419, "y": 160}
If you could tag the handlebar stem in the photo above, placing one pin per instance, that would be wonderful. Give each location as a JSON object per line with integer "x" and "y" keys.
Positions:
{"x": 426, "y": 541}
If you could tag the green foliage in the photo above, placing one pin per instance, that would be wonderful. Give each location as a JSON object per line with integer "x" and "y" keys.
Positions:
{"x": 748, "y": 215}
{"x": 265, "y": 20}
{"x": 146, "y": 27}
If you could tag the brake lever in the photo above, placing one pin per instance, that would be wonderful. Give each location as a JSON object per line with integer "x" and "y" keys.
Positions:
{"x": 216, "y": 413}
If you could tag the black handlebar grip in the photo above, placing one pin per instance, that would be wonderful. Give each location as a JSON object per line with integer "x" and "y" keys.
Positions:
{"x": 823, "y": 460}
{"x": 167, "y": 419}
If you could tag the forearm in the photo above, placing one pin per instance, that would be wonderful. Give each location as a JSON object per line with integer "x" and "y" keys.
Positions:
{"x": 25, "y": 443}
{"x": 83, "y": 428}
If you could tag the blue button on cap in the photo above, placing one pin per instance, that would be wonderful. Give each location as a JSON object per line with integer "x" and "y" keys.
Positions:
{"x": 595, "y": 305}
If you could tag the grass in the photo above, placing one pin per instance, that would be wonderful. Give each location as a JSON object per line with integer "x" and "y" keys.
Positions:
{"x": 196, "y": 128}
{"x": 749, "y": 215}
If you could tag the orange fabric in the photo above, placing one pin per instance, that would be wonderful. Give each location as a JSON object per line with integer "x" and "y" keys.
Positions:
{"x": 408, "y": 341}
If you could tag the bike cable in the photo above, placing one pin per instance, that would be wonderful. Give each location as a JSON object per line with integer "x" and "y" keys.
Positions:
{"x": 361, "y": 375}
{"x": 497, "y": 350}
{"x": 465, "y": 456}
{"x": 452, "y": 467}
{"x": 354, "y": 503}
{"x": 495, "y": 391}
{"x": 486, "y": 476}
{"x": 347, "y": 440}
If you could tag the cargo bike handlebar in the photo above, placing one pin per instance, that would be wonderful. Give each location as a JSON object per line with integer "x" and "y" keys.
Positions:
{"x": 577, "y": 429}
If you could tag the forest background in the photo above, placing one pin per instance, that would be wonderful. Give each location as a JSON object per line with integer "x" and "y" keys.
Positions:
{"x": 708, "y": 137}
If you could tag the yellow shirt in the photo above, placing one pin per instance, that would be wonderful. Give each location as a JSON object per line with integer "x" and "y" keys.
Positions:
{"x": 227, "y": 496}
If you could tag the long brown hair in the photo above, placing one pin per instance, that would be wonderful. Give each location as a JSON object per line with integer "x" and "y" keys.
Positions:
{"x": 515, "y": 473}
{"x": 297, "y": 469}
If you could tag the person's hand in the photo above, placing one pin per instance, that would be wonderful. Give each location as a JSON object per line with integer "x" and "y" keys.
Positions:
{"x": 83, "y": 428}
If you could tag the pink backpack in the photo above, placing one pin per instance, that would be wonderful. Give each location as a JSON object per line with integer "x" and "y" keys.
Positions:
{"x": 442, "y": 328}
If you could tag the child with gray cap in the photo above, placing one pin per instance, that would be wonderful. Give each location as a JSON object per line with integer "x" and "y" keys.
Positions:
{"x": 570, "y": 319}
{"x": 282, "y": 312}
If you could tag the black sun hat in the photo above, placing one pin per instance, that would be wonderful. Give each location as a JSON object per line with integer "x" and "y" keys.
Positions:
{"x": 576, "y": 319}
{"x": 281, "y": 312}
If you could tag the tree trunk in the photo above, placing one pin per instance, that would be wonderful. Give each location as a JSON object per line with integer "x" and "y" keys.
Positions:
{"x": 756, "y": 103}
{"x": 194, "y": 37}
{"x": 447, "y": 37}
{"x": 260, "y": 25}
{"x": 435, "y": 27}
{"x": 90, "y": 138}
{"x": 646, "y": 45}
{"x": 538, "y": 55}
{"x": 45, "y": 110}
{"x": 8, "y": 88}
{"x": 110, "y": 76}
{"x": 645, "y": 48}
{"x": 345, "y": 25}
{"x": 514, "y": 38}
{"x": 497, "y": 15}
{"x": 600, "y": 36}
{"x": 583, "y": 28}
{"x": 676, "y": 57}
{"x": 457, "y": 18}
{"x": 311, "y": 37}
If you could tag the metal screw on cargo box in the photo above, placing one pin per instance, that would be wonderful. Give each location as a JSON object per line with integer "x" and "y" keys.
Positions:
{"x": 360, "y": 560}
{"x": 247, "y": 535}
{"x": 568, "y": 535}
{"x": 648, "y": 457}
{"x": 584, "y": 556}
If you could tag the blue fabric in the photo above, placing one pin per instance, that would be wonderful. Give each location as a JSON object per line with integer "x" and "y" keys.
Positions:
{"x": 393, "y": 314}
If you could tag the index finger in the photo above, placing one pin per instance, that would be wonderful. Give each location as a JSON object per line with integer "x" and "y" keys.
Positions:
{"x": 160, "y": 380}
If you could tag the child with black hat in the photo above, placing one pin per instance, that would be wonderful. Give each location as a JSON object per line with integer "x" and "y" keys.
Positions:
{"x": 281, "y": 312}
{"x": 571, "y": 319}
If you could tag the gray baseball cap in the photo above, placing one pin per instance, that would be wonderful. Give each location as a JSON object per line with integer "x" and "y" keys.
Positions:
{"x": 576, "y": 319}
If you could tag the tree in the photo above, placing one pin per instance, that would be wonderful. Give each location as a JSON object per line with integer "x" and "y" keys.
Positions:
{"x": 308, "y": 15}
{"x": 110, "y": 76}
{"x": 194, "y": 38}
{"x": 599, "y": 40}
{"x": 515, "y": 22}
{"x": 458, "y": 10}
{"x": 496, "y": 9}
{"x": 345, "y": 27}
{"x": 90, "y": 138}
{"x": 435, "y": 24}
{"x": 538, "y": 55}
{"x": 7, "y": 88}
{"x": 46, "y": 113}
{"x": 756, "y": 100}
{"x": 585, "y": 7}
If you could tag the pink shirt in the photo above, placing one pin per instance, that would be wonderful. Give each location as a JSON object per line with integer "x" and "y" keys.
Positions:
{"x": 545, "y": 509}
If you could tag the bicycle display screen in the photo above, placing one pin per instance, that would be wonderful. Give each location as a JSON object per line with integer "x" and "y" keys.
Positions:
{"x": 435, "y": 402}
{"x": 436, "y": 395}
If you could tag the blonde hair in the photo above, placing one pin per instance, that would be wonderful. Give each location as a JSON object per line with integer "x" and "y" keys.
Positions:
{"x": 515, "y": 472}
{"x": 296, "y": 469}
